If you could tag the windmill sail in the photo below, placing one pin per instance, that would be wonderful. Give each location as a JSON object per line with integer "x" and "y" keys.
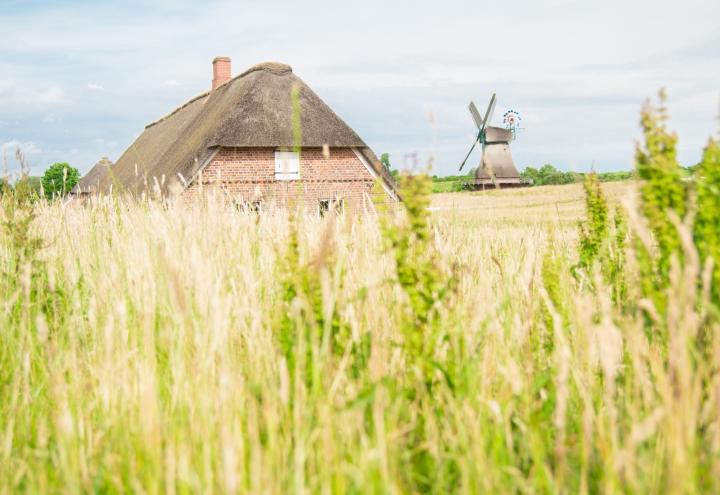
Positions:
{"x": 468, "y": 154}
{"x": 476, "y": 115}
{"x": 479, "y": 123}
{"x": 490, "y": 110}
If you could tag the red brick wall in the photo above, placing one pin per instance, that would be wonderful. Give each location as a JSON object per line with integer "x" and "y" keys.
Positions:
{"x": 248, "y": 174}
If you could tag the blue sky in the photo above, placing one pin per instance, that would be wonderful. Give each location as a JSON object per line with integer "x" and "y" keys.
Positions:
{"x": 80, "y": 79}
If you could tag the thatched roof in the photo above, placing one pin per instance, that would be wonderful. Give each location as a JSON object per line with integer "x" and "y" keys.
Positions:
{"x": 90, "y": 182}
{"x": 252, "y": 110}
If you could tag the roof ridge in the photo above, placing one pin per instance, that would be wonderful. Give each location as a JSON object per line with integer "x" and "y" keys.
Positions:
{"x": 277, "y": 68}
{"x": 176, "y": 110}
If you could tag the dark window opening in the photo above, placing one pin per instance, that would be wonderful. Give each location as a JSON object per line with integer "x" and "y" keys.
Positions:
{"x": 248, "y": 206}
{"x": 327, "y": 205}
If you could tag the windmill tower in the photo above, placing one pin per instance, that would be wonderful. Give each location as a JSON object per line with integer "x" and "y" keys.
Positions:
{"x": 497, "y": 168}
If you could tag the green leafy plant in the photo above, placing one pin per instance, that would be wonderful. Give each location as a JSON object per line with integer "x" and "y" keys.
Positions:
{"x": 662, "y": 189}
{"x": 418, "y": 271}
{"x": 601, "y": 239}
{"x": 428, "y": 290}
{"x": 594, "y": 230}
{"x": 707, "y": 220}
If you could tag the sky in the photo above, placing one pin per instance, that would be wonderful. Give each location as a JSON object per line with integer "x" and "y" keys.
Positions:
{"x": 80, "y": 79}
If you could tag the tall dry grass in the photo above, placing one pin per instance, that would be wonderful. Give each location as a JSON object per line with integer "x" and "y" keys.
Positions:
{"x": 160, "y": 349}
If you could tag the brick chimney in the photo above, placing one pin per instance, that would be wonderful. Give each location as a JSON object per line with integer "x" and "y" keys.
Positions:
{"x": 221, "y": 71}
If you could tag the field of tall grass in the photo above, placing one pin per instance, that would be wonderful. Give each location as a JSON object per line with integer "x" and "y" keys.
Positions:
{"x": 526, "y": 341}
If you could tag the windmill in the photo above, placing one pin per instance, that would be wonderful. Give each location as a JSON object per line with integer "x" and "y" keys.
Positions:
{"x": 497, "y": 168}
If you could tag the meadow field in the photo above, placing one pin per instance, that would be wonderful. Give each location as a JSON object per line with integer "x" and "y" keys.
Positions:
{"x": 171, "y": 349}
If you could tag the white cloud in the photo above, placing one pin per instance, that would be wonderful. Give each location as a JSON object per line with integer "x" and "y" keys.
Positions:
{"x": 26, "y": 147}
{"x": 95, "y": 87}
{"x": 22, "y": 94}
{"x": 171, "y": 83}
{"x": 50, "y": 95}
{"x": 49, "y": 118}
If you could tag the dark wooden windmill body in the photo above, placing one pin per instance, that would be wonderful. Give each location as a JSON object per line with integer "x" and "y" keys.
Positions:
{"x": 497, "y": 168}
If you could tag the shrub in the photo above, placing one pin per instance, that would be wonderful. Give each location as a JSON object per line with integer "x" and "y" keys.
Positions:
{"x": 707, "y": 230}
{"x": 662, "y": 190}
{"x": 594, "y": 230}
{"x": 418, "y": 272}
{"x": 601, "y": 239}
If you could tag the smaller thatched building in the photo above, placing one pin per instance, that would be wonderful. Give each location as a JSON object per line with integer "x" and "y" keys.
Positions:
{"x": 90, "y": 183}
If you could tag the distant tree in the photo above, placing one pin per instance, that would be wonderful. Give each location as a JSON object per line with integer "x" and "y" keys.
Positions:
{"x": 59, "y": 179}
{"x": 471, "y": 172}
{"x": 385, "y": 160}
{"x": 547, "y": 175}
{"x": 550, "y": 175}
{"x": 530, "y": 174}
{"x": 615, "y": 176}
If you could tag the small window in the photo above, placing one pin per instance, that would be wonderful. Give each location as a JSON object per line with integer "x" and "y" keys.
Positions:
{"x": 248, "y": 206}
{"x": 327, "y": 205}
{"x": 287, "y": 165}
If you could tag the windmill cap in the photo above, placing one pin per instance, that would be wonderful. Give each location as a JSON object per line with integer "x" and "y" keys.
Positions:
{"x": 497, "y": 135}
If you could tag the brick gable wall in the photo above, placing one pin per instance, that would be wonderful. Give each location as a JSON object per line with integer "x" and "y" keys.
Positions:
{"x": 248, "y": 174}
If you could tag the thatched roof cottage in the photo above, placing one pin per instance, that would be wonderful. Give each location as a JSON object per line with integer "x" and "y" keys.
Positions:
{"x": 240, "y": 139}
